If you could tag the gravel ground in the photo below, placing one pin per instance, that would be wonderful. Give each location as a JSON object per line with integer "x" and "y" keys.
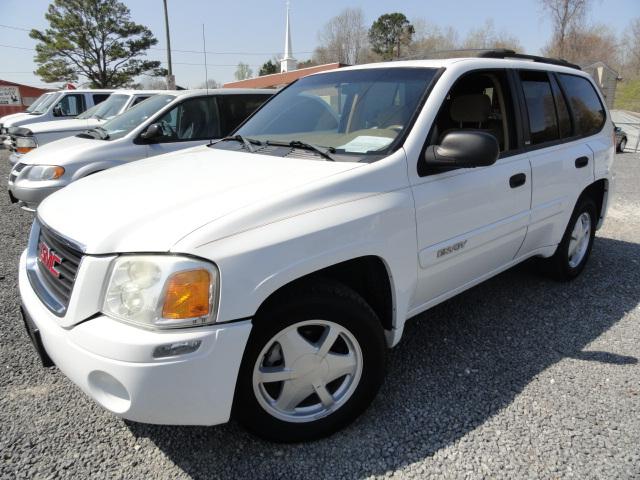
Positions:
{"x": 517, "y": 378}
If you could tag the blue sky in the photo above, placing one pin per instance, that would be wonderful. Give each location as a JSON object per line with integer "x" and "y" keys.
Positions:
{"x": 252, "y": 31}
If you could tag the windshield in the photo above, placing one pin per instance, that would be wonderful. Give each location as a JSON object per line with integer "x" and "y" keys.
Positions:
{"x": 121, "y": 125}
{"x": 37, "y": 102}
{"x": 107, "y": 109}
{"x": 46, "y": 103}
{"x": 352, "y": 112}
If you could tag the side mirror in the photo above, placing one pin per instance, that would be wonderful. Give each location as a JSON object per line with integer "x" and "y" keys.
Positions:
{"x": 57, "y": 111}
{"x": 463, "y": 149}
{"x": 153, "y": 131}
{"x": 618, "y": 129}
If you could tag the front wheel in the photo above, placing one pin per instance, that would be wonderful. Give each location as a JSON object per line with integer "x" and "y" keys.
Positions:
{"x": 574, "y": 249}
{"x": 622, "y": 145}
{"x": 314, "y": 362}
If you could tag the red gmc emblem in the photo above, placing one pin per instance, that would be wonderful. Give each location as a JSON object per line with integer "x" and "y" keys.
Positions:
{"x": 49, "y": 259}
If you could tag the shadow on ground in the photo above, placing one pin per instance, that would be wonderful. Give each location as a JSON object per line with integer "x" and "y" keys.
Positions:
{"x": 457, "y": 366}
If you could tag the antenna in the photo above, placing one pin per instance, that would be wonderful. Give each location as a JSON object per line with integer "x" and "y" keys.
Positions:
{"x": 204, "y": 51}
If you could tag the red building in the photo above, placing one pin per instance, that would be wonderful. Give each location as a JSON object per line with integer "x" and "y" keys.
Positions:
{"x": 15, "y": 97}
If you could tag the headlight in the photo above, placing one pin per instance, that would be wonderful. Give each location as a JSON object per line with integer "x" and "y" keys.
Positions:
{"x": 25, "y": 144}
{"x": 44, "y": 172}
{"x": 162, "y": 291}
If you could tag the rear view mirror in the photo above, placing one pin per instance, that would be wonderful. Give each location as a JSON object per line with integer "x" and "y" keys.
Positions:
{"x": 463, "y": 149}
{"x": 154, "y": 131}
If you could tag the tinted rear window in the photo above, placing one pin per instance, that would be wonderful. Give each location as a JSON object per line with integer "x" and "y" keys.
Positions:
{"x": 587, "y": 108}
{"x": 541, "y": 109}
{"x": 100, "y": 97}
{"x": 234, "y": 109}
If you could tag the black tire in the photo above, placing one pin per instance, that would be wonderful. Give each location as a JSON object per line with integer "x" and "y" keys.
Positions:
{"x": 622, "y": 145}
{"x": 558, "y": 265}
{"x": 326, "y": 300}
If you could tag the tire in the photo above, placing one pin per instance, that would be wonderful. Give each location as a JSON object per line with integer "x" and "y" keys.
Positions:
{"x": 622, "y": 145}
{"x": 289, "y": 334}
{"x": 567, "y": 263}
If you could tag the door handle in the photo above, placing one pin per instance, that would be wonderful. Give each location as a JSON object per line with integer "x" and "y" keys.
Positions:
{"x": 517, "y": 180}
{"x": 582, "y": 162}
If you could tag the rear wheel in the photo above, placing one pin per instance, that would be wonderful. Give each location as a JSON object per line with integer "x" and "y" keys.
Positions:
{"x": 574, "y": 249}
{"x": 314, "y": 362}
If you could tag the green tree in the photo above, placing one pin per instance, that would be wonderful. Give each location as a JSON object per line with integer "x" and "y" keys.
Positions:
{"x": 243, "y": 71}
{"x": 268, "y": 68}
{"x": 389, "y": 33}
{"x": 95, "y": 39}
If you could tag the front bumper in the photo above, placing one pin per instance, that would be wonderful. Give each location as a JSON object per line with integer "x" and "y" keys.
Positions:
{"x": 113, "y": 363}
{"x": 30, "y": 197}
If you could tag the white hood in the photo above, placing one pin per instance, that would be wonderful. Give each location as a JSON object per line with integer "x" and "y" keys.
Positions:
{"x": 73, "y": 124}
{"x": 151, "y": 204}
{"x": 63, "y": 151}
{"x": 7, "y": 120}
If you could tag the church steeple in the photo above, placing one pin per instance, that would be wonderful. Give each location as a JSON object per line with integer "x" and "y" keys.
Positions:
{"x": 288, "y": 63}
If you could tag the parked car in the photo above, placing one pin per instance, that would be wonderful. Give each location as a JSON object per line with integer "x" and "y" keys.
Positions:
{"x": 4, "y": 137}
{"x": 60, "y": 105}
{"x": 164, "y": 123}
{"x": 31, "y": 136}
{"x": 621, "y": 139}
{"x": 265, "y": 275}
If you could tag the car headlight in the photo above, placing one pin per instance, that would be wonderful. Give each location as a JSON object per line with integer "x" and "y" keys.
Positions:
{"x": 25, "y": 144}
{"x": 44, "y": 172}
{"x": 162, "y": 291}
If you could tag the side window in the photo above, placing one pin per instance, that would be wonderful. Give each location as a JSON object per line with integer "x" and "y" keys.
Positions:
{"x": 478, "y": 101}
{"x": 193, "y": 119}
{"x": 71, "y": 105}
{"x": 234, "y": 109}
{"x": 541, "y": 109}
{"x": 100, "y": 97}
{"x": 564, "y": 119}
{"x": 587, "y": 108}
{"x": 138, "y": 99}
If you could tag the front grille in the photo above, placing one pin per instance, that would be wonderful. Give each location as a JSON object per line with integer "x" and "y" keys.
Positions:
{"x": 15, "y": 171}
{"x": 59, "y": 287}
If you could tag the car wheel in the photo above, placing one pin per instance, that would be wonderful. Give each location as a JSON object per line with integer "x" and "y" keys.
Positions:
{"x": 573, "y": 251}
{"x": 622, "y": 145}
{"x": 314, "y": 362}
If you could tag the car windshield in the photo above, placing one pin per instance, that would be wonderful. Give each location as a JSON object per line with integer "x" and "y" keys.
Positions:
{"x": 352, "y": 112}
{"x": 37, "y": 102}
{"x": 107, "y": 109}
{"x": 46, "y": 103}
{"x": 121, "y": 125}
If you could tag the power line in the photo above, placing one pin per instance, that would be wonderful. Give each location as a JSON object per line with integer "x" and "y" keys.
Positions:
{"x": 15, "y": 28}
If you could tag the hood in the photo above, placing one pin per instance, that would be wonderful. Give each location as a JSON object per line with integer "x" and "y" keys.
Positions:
{"x": 7, "y": 120}
{"x": 73, "y": 124}
{"x": 62, "y": 151}
{"x": 149, "y": 205}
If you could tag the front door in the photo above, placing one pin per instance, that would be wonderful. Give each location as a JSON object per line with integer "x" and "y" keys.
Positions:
{"x": 471, "y": 222}
{"x": 190, "y": 123}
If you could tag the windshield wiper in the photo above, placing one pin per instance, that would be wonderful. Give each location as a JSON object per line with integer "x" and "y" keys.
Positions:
{"x": 322, "y": 151}
{"x": 247, "y": 142}
{"x": 101, "y": 132}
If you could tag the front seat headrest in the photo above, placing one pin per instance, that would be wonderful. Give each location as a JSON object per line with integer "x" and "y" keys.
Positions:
{"x": 470, "y": 108}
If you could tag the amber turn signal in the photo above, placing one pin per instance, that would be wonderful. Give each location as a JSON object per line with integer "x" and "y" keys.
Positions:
{"x": 188, "y": 295}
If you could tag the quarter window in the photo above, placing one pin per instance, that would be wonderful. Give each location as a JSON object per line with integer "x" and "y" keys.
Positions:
{"x": 541, "y": 109}
{"x": 587, "y": 108}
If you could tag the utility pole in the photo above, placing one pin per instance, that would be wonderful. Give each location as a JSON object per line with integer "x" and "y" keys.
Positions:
{"x": 171, "y": 80}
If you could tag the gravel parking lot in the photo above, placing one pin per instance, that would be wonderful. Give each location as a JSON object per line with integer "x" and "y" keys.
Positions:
{"x": 519, "y": 377}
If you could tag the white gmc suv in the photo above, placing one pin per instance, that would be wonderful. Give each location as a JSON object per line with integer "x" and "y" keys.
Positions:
{"x": 264, "y": 275}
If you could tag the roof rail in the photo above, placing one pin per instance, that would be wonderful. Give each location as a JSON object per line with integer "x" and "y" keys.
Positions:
{"x": 506, "y": 53}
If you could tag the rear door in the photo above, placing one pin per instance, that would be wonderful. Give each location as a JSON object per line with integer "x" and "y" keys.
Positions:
{"x": 471, "y": 222}
{"x": 561, "y": 161}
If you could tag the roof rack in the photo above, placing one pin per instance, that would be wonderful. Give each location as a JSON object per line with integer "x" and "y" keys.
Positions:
{"x": 506, "y": 53}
